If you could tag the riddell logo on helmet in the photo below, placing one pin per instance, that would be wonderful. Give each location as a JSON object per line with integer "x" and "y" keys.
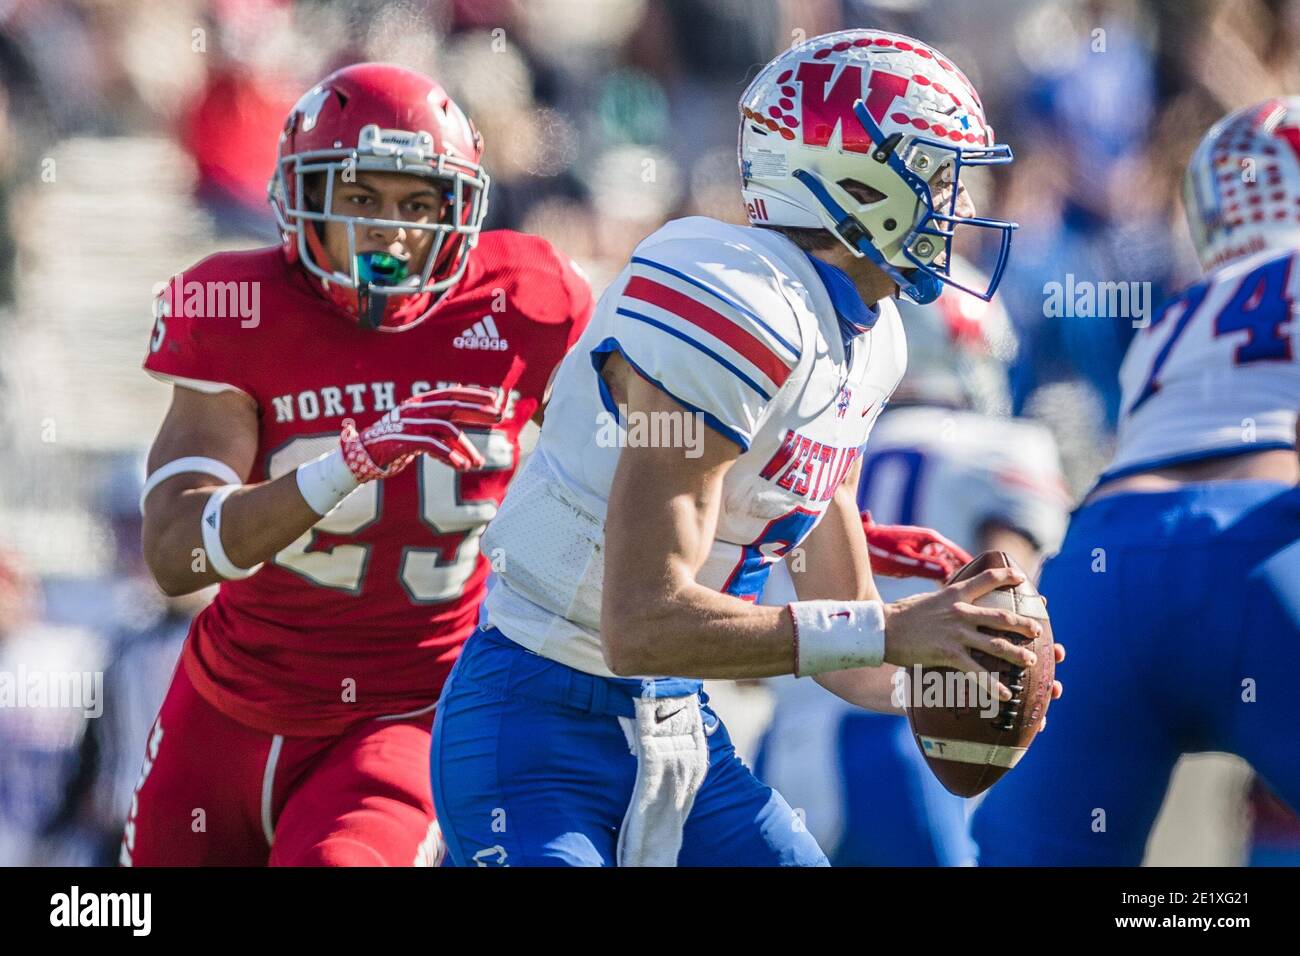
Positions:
{"x": 757, "y": 209}
{"x": 1228, "y": 253}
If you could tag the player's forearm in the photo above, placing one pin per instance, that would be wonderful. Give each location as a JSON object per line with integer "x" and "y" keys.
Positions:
{"x": 656, "y": 619}
{"x": 833, "y": 562}
{"x": 697, "y": 632}
{"x": 994, "y": 535}
{"x": 871, "y": 688}
{"x": 835, "y": 566}
{"x": 256, "y": 523}
{"x": 259, "y": 521}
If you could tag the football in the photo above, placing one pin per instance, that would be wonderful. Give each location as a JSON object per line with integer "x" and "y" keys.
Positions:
{"x": 968, "y": 739}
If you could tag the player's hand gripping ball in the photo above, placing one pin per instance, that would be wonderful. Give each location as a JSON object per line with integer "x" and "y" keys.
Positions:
{"x": 969, "y": 744}
{"x": 430, "y": 422}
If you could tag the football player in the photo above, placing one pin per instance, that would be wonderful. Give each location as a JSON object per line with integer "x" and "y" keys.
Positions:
{"x": 331, "y": 458}
{"x": 636, "y": 552}
{"x": 943, "y": 455}
{"x": 1180, "y": 574}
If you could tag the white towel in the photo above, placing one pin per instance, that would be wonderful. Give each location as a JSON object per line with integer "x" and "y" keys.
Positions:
{"x": 672, "y": 755}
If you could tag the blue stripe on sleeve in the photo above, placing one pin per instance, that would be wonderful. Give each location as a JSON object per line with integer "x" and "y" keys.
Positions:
{"x": 601, "y": 352}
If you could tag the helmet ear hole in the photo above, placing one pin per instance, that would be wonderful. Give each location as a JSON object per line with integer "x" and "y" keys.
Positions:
{"x": 861, "y": 191}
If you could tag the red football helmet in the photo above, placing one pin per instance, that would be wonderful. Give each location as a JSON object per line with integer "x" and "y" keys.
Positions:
{"x": 380, "y": 117}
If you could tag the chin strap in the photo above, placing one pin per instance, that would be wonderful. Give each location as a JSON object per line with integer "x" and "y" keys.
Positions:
{"x": 370, "y": 308}
{"x": 925, "y": 288}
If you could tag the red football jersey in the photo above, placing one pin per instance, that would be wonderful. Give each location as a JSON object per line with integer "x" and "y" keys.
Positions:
{"x": 365, "y": 614}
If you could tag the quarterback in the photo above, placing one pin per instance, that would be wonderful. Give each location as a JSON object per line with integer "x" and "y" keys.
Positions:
{"x": 572, "y": 730}
{"x": 332, "y": 462}
{"x": 1181, "y": 572}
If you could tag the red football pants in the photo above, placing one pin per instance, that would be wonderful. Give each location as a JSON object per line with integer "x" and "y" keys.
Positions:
{"x": 213, "y": 792}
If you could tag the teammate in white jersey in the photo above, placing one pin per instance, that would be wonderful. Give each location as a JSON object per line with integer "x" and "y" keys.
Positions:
{"x": 943, "y": 455}
{"x": 1179, "y": 578}
{"x": 708, "y": 422}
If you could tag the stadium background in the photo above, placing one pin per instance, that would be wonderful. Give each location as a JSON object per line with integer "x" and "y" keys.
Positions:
{"x": 136, "y": 137}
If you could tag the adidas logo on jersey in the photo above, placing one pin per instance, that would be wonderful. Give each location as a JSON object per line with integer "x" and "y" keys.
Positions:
{"x": 482, "y": 334}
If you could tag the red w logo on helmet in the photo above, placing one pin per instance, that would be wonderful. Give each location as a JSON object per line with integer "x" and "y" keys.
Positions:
{"x": 825, "y": 108}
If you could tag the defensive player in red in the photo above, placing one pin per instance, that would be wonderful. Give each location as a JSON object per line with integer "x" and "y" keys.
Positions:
{"x": 337, "y": 440}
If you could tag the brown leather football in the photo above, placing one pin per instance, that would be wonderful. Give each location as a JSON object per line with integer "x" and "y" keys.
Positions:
{"x": 970, "y": 739}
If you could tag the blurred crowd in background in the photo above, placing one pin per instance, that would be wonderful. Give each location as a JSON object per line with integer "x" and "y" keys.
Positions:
{"x": 137, "y": 136}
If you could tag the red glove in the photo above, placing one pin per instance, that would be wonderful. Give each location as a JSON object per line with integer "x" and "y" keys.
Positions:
{"x": 430, "y": 423}
{"x": 907, "y": 551}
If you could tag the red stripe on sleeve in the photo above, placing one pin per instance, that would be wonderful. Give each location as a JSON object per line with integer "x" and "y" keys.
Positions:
{"x": 715, "y": 323}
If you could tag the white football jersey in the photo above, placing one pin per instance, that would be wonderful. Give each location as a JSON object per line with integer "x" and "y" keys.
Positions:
{"x": 1217, "y": 372}
{"x": 739, "y": 326}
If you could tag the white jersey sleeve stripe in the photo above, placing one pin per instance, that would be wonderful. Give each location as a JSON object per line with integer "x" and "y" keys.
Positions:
{"x": 702, "y": 321}
{"x": 665, "y": 327}
{"x": 714, "y": 294}
{"x": 764, "y": 382}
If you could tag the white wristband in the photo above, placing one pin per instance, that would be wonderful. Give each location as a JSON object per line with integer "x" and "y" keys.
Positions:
{"x": 211, "y": 525}
{"x": 325, "y": 481}
{"x": 835, "y": 635}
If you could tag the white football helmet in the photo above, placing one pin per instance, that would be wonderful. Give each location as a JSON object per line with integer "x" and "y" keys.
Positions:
{"x": 883, "y": 110}
{"x": 958, "y": 349}
{"x": 1242, "y": 186}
